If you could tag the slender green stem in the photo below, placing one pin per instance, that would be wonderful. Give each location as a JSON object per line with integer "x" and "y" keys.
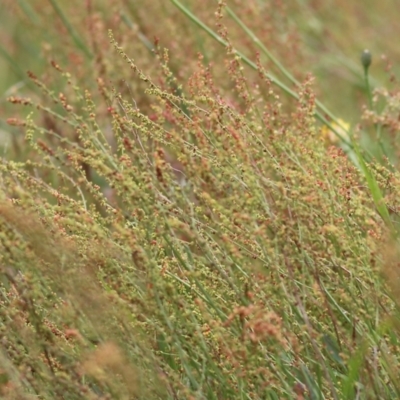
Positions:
{"x": 29, "y": 11}
{"x": 366, "y": 61}
{"x": 321, "y": 109}
{"x": 284, "y": 71}
{"x": 368, "y": 87}
{"x": 258, "y": 42}
{"x": 78, "y": 41}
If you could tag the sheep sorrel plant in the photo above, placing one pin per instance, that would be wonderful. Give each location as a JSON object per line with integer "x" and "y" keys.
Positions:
{"x": 195, "y": 232}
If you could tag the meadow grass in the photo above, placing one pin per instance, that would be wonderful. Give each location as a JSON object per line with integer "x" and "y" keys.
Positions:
{"x": 193, "y": 205}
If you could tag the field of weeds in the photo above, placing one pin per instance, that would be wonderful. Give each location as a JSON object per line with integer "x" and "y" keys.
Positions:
{"x": 199, "y": 200}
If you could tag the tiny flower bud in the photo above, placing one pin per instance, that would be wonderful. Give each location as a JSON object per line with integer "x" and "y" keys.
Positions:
{"x": 366, "y": 58}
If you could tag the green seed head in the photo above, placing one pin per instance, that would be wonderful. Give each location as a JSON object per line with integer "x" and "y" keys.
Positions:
{"x": 366, "y": 59}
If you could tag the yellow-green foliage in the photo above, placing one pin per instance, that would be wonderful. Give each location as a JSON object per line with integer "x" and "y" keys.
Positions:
{"x": 173, "y": 226}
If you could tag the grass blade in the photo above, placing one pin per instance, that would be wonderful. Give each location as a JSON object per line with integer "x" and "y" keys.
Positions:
{"x": 78, "y": 41}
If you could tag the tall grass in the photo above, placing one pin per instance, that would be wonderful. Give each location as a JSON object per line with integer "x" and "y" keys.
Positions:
{"x": 182, "y": 217}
